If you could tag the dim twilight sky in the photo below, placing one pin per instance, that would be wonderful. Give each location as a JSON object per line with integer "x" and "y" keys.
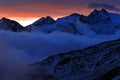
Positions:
{"x": 27, "y": 11}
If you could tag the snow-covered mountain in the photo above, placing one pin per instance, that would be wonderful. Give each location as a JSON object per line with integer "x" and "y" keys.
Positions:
{"x": 99, "y": 62}
{"x": 96, "y": 23}
{"x": 10, "y": 25}
{"x": 75, "y": 61}
{"x": 41, "y": 22}
{"x": 103, "y": 22}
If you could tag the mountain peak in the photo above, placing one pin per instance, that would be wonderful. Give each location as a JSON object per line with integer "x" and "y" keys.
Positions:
{"x": 44, "y": 20}
{"x": 95, "y": 11}
{"x": 104, "y": 10}
{"x": 5, "y": 19}
{"x": 75, "y": 14}
{"x": 7, "y": 24}
{"x": 98, "y": 15}
{"x": 49, "y": 18}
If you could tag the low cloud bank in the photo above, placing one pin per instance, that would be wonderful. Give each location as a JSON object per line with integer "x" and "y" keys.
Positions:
{"x": 19, "y": 49}
{"x": 31, "y": 46}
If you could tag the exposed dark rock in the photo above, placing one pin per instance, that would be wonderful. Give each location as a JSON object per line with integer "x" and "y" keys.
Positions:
{"x": 99, "y": 62}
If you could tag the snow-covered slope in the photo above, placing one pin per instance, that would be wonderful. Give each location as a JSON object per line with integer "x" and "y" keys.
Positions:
{"x": 10, "y": 25}
{"x": 103, "y": 22}
{"x": 39, "y": 23}
{"x": 69, "y": 24}
{"x": 96, "y": 23}
{"x": 99, "y": 62}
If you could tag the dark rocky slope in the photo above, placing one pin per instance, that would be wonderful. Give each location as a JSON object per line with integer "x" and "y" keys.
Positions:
{"x": 99, "y": 62}
{"x": 10, "y": 25}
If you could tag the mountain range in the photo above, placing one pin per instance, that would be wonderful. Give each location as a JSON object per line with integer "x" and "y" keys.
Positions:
{"x": 97, "y": 62}
{"x": 98, "y": 22}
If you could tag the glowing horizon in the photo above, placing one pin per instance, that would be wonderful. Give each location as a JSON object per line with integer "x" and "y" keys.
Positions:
{"x": 25, "y": 21}
{"x": 28, "y": 11}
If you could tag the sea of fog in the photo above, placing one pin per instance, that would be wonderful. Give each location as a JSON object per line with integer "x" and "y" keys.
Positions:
{"x": 19, "y": 49}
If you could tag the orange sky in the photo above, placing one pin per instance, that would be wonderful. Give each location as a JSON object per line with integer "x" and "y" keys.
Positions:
{"x": 26, "y": 18}
{"x": 28, "y": 11}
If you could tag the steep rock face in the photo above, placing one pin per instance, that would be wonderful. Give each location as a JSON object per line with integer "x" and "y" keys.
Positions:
{"x": 10, "y": 25}
{"x": 99, "y": 62}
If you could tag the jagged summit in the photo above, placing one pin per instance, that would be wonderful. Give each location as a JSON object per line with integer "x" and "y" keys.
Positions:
{"x": 96, "y": 11}
{"x": 4, "y": 18}
{"x": 104, "y": 10}
{"x": 98, "y": 16}
{"x": 7, "y": 24}
{"x": 49, "y": 18}
{"x": 43, "y": 21}
{"x": 7, "y": 20}
{"x": 75, "y": 14}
